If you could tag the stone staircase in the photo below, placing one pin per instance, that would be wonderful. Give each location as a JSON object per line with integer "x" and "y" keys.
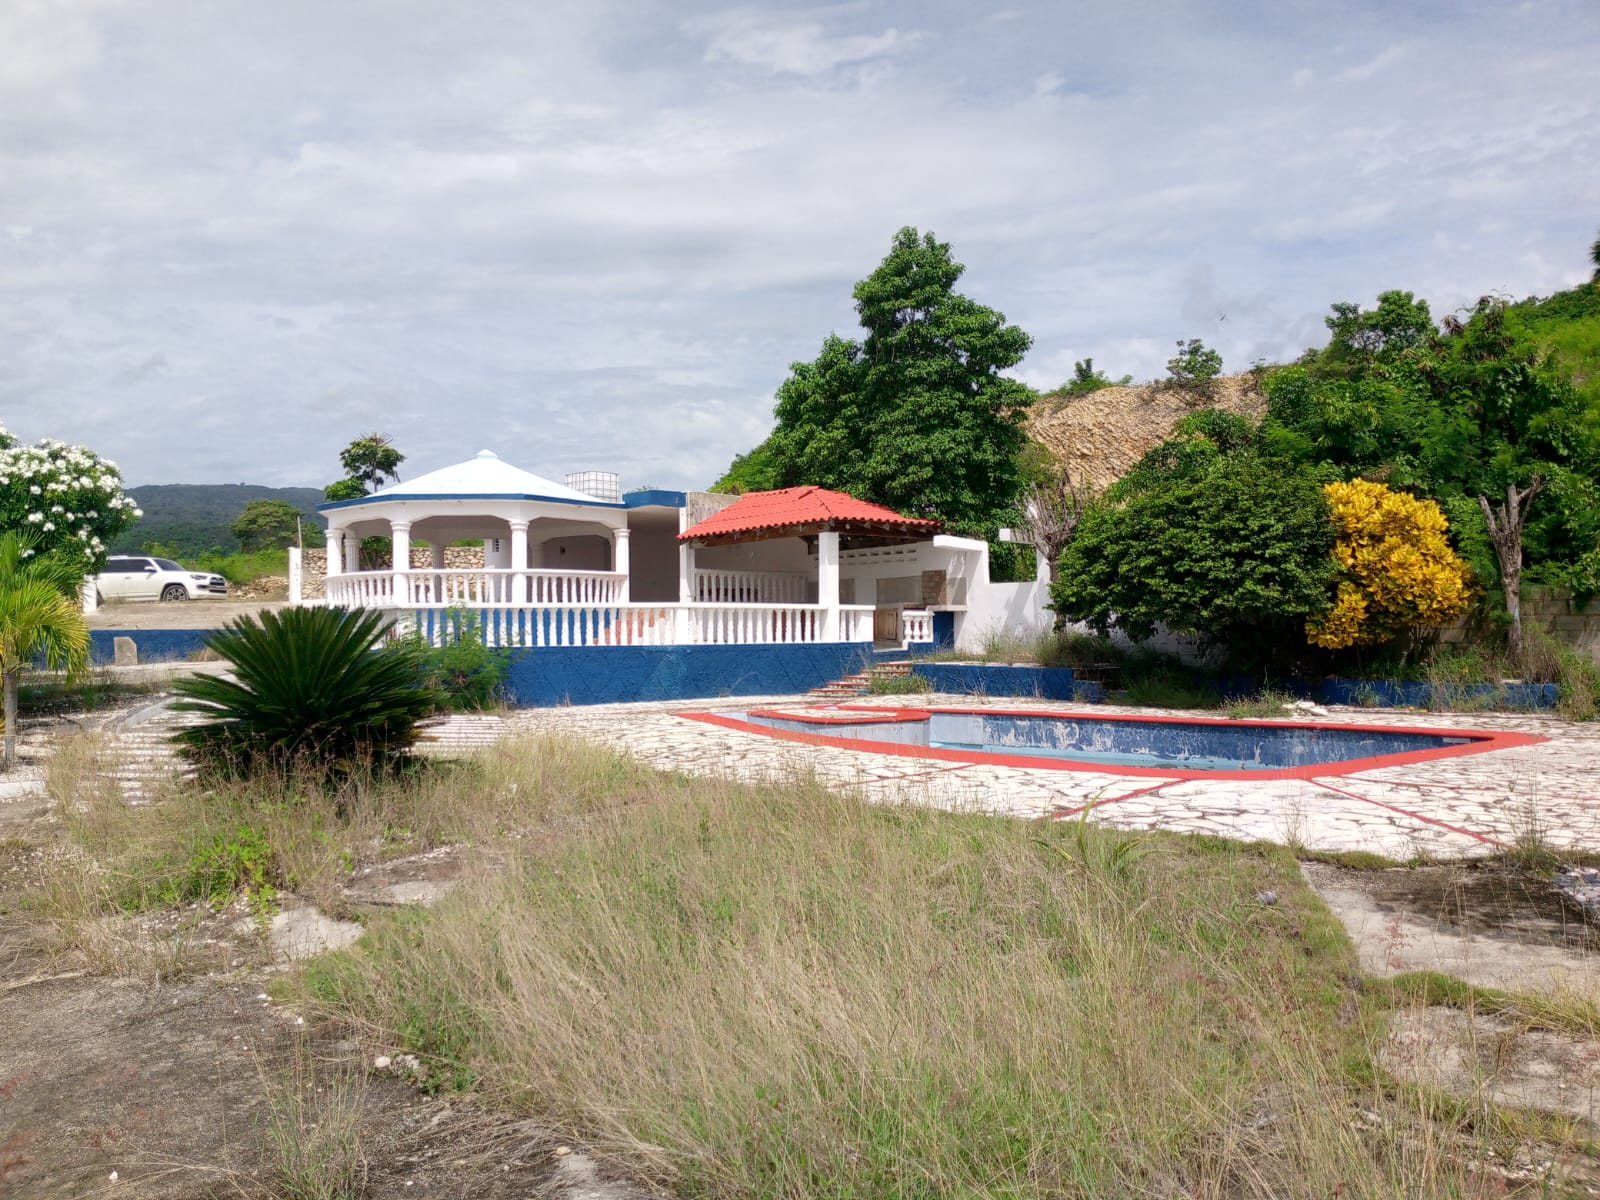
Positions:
{"x": 860, "y": 684}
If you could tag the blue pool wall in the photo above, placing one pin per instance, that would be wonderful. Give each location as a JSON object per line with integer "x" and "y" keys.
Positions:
{"x": 995, "y": 679}
{"x": 155, "y": 645}
{"x": 552, "y": 675}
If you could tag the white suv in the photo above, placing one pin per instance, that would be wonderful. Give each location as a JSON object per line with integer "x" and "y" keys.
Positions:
{"x": 135, "y": 577}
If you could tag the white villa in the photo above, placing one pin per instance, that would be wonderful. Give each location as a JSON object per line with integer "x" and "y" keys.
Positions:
{"x": 581, "y": 564}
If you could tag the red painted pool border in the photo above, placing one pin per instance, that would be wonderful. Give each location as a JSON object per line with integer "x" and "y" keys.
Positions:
{"x": 1480, "y": 740}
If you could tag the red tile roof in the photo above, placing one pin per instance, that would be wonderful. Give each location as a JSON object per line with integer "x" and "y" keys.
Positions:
{"x": 789, "y": 507}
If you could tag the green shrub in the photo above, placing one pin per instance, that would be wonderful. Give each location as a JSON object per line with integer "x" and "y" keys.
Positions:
{"x": 881, "y": 684}
{"x": 311, "y": 691}
{"x": 465, "y": 674}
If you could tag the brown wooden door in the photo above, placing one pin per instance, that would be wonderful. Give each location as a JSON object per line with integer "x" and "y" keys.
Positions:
{"x": 886, "y": 625}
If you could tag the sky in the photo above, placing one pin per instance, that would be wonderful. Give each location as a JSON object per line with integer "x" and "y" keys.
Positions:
{"x": 235, "y": 236}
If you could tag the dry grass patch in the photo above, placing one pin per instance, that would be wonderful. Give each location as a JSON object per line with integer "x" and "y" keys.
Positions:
{"x": 192, "y": 849}
{"x": 782, "y": 992}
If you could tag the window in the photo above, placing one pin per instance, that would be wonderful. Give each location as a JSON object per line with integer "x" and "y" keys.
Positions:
{"x": 166, "y": 564}
{"x": 125, "y": 566}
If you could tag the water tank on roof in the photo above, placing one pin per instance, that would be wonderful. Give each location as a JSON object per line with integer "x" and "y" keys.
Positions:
{"x": 602, "y": 485}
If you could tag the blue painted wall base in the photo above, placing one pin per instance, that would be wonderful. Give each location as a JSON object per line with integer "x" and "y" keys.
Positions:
{"x": 618, "y": 674}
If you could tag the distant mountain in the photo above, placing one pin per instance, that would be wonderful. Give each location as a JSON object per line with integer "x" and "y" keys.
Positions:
{"x": 192, "y": 518}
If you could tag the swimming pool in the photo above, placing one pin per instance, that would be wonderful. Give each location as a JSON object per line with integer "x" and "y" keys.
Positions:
{"x": 1172, "y": 747}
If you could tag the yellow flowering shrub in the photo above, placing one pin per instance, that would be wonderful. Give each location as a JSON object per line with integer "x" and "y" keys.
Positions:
{"x": 1399, "y": 571}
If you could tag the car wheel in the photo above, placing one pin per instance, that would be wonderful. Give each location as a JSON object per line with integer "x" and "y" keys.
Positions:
{"x": 174, "y": 591}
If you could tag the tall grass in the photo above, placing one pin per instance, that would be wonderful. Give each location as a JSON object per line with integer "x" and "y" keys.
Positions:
{"x": 781, "y": 992}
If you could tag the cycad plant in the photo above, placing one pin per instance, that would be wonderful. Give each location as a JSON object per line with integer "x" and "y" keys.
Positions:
{"x": 311, "y": 690}
{"x": 40, "y": 619}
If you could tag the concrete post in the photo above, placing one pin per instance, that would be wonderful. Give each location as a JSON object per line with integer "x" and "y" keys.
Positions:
{"x": 297, "y": 582}
{"x": 519, "y": 562}
{"x": 828, "y": 583}
{"x": 90, "y": 595}
{"x": 335, "y": 553}
{"x": 400, "y": 534}
{"x": 619, "y": 559}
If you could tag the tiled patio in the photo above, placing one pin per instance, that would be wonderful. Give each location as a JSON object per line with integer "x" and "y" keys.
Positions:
{"x": 1451, "y": 808}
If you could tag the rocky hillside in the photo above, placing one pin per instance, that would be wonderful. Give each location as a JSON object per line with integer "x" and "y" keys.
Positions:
{"x": 1100, "y": 435}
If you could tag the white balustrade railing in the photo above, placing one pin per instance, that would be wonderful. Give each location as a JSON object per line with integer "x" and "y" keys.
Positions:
{"x": 749, "y": 587}
{"x": 646, "y": 624}
{"x": 916, "y": 625}
{"x": 478, "y": 588}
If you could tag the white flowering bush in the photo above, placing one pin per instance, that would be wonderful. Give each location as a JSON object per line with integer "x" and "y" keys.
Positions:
{"x": 69, "y": 496}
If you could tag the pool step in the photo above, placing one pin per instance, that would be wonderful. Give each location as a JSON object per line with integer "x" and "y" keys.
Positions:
{"x": 860, "y": 684}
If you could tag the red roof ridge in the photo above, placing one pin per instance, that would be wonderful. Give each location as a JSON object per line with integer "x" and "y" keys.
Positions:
{"x": 806, "y": 504}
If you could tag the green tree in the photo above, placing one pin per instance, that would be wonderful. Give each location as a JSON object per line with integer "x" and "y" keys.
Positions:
{"x": 1232, "y": 547}
{"x": 1086, "y": 379}
{"x": 344, "y": 489}
{"x": 372, "y": 459}
{"x": 266, "y": 524}
{"x": 1195, "y": 367}
{"x": 918, "y": 415}
{"x": 752, "y": 472}
{"x": 40, "y": 618}
{"x": 369, "y": 462}
{"x": 1594, "y": 257}
{"x": 1477, "y": 417}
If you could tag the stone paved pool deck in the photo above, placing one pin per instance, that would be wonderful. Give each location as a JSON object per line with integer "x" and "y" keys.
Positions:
{"x": 1464, "y": 807}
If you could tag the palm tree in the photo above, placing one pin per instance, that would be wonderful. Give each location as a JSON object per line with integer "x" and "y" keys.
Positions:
{"x": 39, "y": 618}
{"x": 1594, "y": 257}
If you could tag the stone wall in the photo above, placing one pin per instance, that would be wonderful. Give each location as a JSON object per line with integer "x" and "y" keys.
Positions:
{"x": 456, "y": 558}
{"x": 1554, "y": 611}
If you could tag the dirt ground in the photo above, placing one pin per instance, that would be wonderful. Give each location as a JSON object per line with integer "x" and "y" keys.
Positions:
{"x": 148, "y": 1088}
{"x": 179, "y": 614}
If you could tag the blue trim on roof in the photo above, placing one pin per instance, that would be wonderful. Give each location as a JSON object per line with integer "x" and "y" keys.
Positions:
{"x": 360, "y": 500}
{"x": 655, "y": 498}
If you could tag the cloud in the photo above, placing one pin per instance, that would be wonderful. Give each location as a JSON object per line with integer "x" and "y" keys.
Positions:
{"x": 791, "y": 45}
{"x": 597, "y": 234}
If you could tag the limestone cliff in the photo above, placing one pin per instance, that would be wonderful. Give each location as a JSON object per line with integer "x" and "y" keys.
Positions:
{"x": 1100, "y": 435}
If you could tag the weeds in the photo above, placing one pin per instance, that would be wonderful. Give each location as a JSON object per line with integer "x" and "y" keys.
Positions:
{"x": 314, "y": 1130}
{"x": 881, "y": 683}
{"x": 779, "y": 992}
{"x": 1269, "y": 703}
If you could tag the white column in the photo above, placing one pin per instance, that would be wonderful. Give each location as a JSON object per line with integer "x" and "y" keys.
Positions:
{"x": 335, "y": 553}
{"x": 400, "y": 532}
{"x": 296, "y": 577}
{"x": 89, "y": 593}
{"x": 352, "y": 553}
{"x": 519, "y": 562}
{"x": 828, "y": 583}
{"x": 686, "y": 572}
{"x": 436, "y": 583}
{"x": 619, "y": 559}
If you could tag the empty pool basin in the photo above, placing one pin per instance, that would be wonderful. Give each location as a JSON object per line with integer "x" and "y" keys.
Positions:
{"x": 1170, "y": 747}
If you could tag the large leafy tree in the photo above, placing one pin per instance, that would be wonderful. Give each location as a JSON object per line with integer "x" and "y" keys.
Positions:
{"x": 1473, "y": 416}
{"x": 369, "y": 462}
{"x": 266, "y": 524}
{"x": 919, "y": 414}
{"x": 40, "y": 617}
{"x": 1228, "y": 546}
